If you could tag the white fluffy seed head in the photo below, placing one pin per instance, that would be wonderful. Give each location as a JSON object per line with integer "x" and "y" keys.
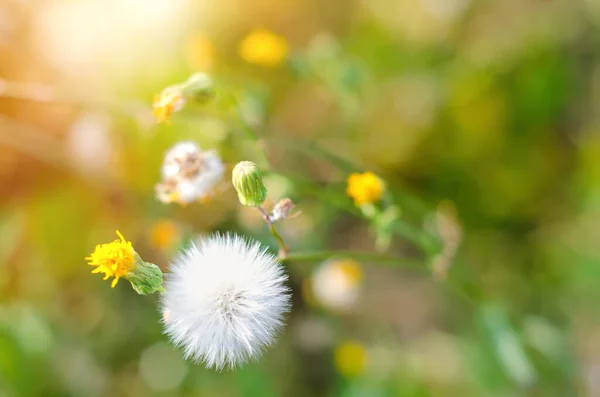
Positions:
{"x": 189, "y": 174}
{"x": 225, "y": 300}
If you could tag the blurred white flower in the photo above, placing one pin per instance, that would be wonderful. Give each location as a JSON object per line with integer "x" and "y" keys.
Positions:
{"x": 225, "y": 298}
{"x": 189, "y": 174}
{"x": 88, "y": 142}
{"x": 336, "y": 284}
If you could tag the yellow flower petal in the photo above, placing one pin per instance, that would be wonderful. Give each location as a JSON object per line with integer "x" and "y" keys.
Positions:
{"x": 113, "y": 259}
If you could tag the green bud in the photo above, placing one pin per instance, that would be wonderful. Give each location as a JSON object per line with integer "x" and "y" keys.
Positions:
{"x": 199, "y": 87}
{"x": 146, "y": 278}
{"x": 248, "y": 182}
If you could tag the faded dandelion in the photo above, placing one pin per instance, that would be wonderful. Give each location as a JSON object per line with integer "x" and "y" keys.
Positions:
{"x": 189, "y": 174}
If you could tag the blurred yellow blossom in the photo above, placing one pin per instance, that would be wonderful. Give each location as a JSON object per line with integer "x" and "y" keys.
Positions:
{"x": 335, "y": 284}
{"x": 200, "y": 52}
{"x": 113, "y": 259}
{"x": 168, "y": 101}
{"x": 263, "y": 47}
{"x": 365, "y": 188}
{"x": 164, "y": 234}
{"x": 350, "y": 358}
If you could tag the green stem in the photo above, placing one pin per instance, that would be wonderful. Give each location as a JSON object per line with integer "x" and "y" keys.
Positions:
{"x": 250, "y": 134}
{"x": 318, "y": 256}
{"x": 283, "y": 248}
{"x": 428, "y": 243}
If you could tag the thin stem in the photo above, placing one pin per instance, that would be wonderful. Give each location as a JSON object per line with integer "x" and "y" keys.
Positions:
{"x": 422, "y": 239}
{"x": 318, "y": 256}
{"x": 283, "y": 248}
{"x": 250, "y": 134}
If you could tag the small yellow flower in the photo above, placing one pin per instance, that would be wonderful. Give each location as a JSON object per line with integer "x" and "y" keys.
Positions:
{"x": 365, "y": 188}
{"x": 335, "y": 284}
{"x": 351, "y": 269}
{"x": 200, "y": 52}
{"x": 263, "y": 47}
{"x": 114, "y": 259}
{"x": 350, "y": 358}
{"x": 164, "y": 234}
{"x": 169, "y": 101}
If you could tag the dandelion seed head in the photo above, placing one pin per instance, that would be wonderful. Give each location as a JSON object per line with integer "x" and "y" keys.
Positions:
{"x": 226, "y": 299}
{"x": 189, "y": 174}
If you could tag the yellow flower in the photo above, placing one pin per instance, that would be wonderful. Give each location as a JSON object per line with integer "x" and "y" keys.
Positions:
{"x": 200, "y": 52}
{"x": 350, "y": 358}
{"x": 170, "y": 100}
{"x": 114, "y": 259}
{"x": 350, "y": 269}
{"x": 164, "y": 234}
{"x": 365, "y": 188}
{"x": 263, "y": 47}
{"x": 335, "y": 284}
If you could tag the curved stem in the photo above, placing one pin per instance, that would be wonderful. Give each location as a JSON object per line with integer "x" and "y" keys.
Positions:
{"x": 283, "y": 248}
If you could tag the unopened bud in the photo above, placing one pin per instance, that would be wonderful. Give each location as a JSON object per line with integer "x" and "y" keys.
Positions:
{"x": 248, "y": 182}
{"x": 199, "y": 87}
{"x": 282, "y": 209}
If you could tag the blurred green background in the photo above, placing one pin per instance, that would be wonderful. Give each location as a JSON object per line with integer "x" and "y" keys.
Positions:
{"x": 485, "y": 109}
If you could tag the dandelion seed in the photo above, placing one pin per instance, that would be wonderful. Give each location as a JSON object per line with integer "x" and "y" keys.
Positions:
{"x": 365, "y": 188}
{"x": 225, "y": 298}
{"x": 263, "y": 47}
{"x": 189, "y": 174}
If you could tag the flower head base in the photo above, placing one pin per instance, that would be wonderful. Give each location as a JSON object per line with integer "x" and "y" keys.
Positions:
{"x": 225, "y": 300}
{"x": 365, "y": 188}
{"x": 263, "y": 47}
{"x": 189, "y": 174}
{"x": 119, "y": 260}
{"x": 248, "y": 182}
{"x": 199, "y": 88}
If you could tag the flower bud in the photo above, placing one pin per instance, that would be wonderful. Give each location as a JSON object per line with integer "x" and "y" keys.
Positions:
{"x": 199, "y": 87}
{"x": 248, "y": 182}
